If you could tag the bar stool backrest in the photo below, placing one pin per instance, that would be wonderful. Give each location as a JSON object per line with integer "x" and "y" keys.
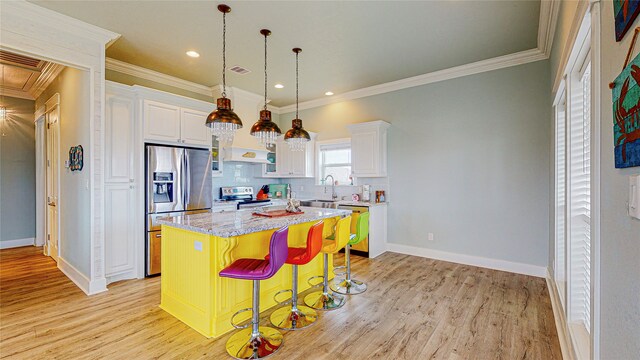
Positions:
{"x": 362, "y": 228}
{"x": 343, "y": 234}
{"x": 278, "y": 250}
{"x": 314, "y": 241}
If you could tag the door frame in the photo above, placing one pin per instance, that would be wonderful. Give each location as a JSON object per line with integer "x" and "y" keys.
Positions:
{"x": 32, "y": 30}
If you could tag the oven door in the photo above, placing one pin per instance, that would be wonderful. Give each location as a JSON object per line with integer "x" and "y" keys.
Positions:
{"x": 253, "y": 205}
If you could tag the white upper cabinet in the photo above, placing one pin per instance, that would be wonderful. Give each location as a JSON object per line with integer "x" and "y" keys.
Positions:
{"x": 295, "y": 164}
{"x": 161, "y": 121}
{"x": 369, "y": 148}
{"x": 173, "y": 119}
{"x": 192, "y": 127}
{"x": 119, "y": 138}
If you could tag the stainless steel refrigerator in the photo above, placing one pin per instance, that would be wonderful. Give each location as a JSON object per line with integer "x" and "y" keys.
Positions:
{"x": 178, "y": 182}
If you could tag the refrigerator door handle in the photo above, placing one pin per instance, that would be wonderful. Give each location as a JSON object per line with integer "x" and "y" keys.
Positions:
{"x": 187, "y": 181}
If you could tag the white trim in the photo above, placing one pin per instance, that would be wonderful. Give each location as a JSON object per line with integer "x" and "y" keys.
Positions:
{"x": 8, "y": 244}
{"x": 89, "y": 287}
{"x": 547, "y": 25}
{"x": 576, "y": 24}
{"x": 500, "y": 62}
{"x": 71, "y": 25}
{"x": 495, "y": 264}
{"x": 144, "y": 73}
{"x": 566, "y": 346}
{"x": 596, "y": 153}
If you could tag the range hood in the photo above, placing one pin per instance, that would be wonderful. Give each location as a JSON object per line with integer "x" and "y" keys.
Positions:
{"x": 239, "y": 154}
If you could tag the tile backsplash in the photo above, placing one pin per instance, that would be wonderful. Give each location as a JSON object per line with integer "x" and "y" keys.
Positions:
{"x": 308, "y": 189}
{"x": 240, "y": 174}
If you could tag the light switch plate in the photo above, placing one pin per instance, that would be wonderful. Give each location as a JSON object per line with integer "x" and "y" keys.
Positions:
{"x": 634, "y": 196}
{"x": 197, "y": 245}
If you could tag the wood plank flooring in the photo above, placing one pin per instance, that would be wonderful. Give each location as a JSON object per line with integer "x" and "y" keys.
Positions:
{"x": 415, "y": 308}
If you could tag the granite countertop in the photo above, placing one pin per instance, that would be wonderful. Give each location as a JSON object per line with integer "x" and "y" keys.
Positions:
{"x": 241, "y": 222}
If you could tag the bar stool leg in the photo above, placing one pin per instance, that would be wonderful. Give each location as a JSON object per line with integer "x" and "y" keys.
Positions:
{"x": 294, "y": 317}
{"x": 324, "y": 300}
{"x": 258, "y": 341}
{"x": 348, "y": 286}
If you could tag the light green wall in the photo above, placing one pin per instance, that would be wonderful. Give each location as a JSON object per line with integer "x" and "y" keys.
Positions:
{"x": 469, "y": 161}
{"x": 74, "y": 199}
{"x": 620, "y": 241}
{"x": 17, "y": 171}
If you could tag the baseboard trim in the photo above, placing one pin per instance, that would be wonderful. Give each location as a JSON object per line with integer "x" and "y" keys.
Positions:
{"x": 89, "y": 287}
{"x": 8, "y": 244}
{"x": 495, "y": 264}
{"x": 566, "y": 346}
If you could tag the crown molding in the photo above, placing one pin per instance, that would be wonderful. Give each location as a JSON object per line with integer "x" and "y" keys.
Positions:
{"x": 496, "y": 63}
{"x": 547, "y": 25}
{"x": 38, "y": 14}
{"x": 546, "y": 30}
{"x": 144, "y": 73}
{"x": 49, "y": 73}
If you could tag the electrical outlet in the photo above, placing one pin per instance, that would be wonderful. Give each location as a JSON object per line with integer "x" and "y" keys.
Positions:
{"x": 430, "y": 237}
{"x": 301, "y": 187}
{"x": 634, "y": 196}
{"x": 197, "y": 245}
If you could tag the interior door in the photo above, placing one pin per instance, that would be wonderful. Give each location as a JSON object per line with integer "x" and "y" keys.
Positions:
{"x": 53, "y": 151}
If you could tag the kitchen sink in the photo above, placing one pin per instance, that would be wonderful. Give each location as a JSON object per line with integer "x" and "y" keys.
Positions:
{"x": 327, "y": 204}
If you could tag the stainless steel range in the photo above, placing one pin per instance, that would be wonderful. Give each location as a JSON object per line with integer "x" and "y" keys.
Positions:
{"x": 243, "y": 195}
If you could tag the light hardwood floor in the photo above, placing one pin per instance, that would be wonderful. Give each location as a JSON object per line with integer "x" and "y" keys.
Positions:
{"x": 415, "y": 308}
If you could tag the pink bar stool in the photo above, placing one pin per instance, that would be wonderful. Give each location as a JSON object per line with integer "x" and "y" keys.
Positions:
{"x": 259, "y": 341}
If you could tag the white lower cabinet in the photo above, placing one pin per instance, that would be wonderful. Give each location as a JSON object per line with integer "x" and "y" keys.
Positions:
{"x": 120, "y": 233}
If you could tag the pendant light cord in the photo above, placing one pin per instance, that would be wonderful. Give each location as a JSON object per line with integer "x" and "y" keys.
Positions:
{"x": 297, "y": 117}
{"x": 224, "y": 56}
{"x": 265, "y": 72}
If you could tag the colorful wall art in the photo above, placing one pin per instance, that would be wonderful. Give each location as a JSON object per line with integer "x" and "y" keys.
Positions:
{"x": 625, "y": 12}
{"x": 626, "y": 116}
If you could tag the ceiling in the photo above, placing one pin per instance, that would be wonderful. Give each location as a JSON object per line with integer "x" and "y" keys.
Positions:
{"x": 346, "y": 45}
{"x": 25, "y": 77}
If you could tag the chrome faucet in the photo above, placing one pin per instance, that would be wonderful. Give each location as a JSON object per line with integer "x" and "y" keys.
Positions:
{"x": 333, "y": 187}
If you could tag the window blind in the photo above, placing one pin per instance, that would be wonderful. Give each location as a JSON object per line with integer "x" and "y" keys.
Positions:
{"x": 560, "y": 262}
{"x": 580, "y": 200}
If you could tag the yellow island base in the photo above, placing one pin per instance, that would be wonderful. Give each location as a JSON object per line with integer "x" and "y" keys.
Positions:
{"x": 192, "y": 290}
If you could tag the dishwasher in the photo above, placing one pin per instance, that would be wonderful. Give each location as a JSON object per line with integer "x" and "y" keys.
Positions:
{"x": 361, "y": 248}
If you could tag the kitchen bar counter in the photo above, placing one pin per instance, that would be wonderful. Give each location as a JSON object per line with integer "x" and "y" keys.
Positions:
{"x": 243, "y": 222}
{"x": 195, "y": 248}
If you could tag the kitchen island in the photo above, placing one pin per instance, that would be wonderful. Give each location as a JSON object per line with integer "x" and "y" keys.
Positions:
{"x": 196, "y": 247}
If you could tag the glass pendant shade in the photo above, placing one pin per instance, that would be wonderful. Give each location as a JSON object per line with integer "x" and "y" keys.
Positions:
{"x": 297, "y": 137}
{"x": 223, "y": 121}
{"x": 265, "y": 130}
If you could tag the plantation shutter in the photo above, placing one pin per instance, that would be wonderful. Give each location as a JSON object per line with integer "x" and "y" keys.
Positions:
{"x": 580, "y": 200}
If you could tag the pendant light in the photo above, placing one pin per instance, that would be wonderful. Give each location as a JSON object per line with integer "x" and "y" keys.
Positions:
{"x": 265, "y": 130}
{"x": 223, "y": 121}
{"x": 297, "y": 137}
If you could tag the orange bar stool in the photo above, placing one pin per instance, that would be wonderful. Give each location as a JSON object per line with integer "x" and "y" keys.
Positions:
{"x": 296, "y": 317}
{"x": 324, "y": 300}
{"x": 259, "y": 341}
{"x": 349, "y": 286}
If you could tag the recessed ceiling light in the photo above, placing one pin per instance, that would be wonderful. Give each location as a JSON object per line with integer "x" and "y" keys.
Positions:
{"x": 328, "y": 93}
{"x": 278, "y": 86}
{"x": 193, "y": 54}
